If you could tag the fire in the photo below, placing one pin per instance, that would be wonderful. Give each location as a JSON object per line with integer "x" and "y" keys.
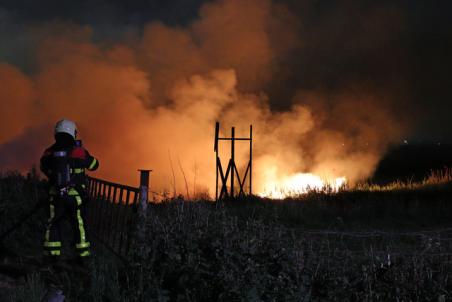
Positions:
{"x": 300, "y": 183}
{"x": 161, "y": 91}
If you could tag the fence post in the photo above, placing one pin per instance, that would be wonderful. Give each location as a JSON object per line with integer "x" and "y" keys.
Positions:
{"x": 144, "y": 189}
{"x": 142, "y": 209}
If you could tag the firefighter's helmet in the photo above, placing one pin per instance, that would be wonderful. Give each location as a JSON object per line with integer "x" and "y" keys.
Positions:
{"x": 66, "y": 126}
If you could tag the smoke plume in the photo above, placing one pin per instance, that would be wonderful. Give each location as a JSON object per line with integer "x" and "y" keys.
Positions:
{"x": 151, "y": 101}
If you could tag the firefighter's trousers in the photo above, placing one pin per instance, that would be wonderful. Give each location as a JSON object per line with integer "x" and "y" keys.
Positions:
{"x": 61, "y": 209}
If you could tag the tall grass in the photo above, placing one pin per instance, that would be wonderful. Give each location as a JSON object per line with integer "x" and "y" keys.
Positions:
{"x": 351, "y": 245}
{"x": 434, "y": 178}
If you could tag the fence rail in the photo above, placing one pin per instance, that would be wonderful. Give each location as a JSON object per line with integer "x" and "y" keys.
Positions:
{"x": 111, "y": 213}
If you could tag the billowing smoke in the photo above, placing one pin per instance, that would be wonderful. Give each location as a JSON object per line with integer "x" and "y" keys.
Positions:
{"x": 152, "y": 101}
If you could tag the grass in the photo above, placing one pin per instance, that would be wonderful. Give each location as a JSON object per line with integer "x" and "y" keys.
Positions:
{"x": 354, "y": 245}
{"x": 435, "y": 178}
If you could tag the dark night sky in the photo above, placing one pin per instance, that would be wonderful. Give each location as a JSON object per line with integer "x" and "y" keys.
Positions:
{"x": 400, "y": 46}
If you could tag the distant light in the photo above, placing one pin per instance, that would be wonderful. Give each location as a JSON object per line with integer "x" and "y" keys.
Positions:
{"x": 405, "y": 142}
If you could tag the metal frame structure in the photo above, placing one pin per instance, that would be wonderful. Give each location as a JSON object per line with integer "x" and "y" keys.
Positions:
{"x": 232, "y": 171}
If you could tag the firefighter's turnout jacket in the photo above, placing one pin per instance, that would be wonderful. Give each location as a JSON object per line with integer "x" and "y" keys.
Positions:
{"x": 65, "y": 201}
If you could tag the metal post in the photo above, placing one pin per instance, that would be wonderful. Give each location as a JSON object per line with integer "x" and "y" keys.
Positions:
{"x": 251, "y": 158}
{"x": 144, "y": 189}
{"x": 216, "y": 178}
{"x": 217, "y": 132}
{"x": 232, "y": 160}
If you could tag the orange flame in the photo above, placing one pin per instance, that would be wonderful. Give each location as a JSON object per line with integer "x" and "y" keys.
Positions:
{"x": 299, "y": 183}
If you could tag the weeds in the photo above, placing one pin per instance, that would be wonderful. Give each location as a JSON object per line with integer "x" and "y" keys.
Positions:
{"x": 33, "y": 290}
{"x": 435, "y": 178}
{"x": 353, "y": 245}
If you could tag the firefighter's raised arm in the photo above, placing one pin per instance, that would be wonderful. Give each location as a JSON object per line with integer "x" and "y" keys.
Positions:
{"x": 91, "y": 162}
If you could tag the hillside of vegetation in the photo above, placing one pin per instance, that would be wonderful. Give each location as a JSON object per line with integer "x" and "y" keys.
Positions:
{"x": 370, "y": 243}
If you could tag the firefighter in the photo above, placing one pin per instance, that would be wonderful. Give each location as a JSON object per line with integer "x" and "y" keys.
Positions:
{"x": 64, "y": 163}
